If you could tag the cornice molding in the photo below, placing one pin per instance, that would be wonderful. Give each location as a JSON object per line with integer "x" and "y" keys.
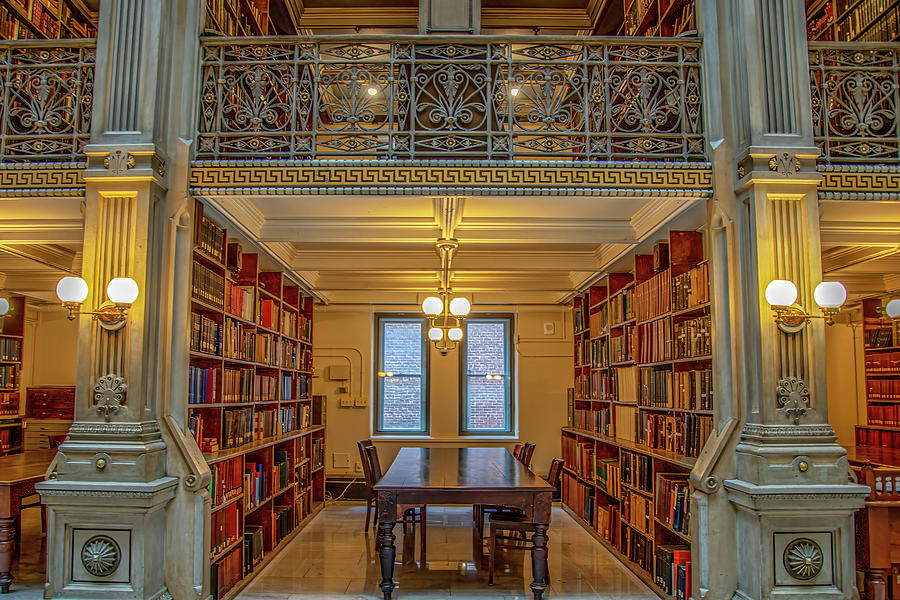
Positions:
{"x": 42, "y": 179}
{"x": 873, "y": 183}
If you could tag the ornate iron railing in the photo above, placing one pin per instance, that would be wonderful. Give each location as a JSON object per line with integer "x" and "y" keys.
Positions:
{"x": 855, "y": 94}
{"x": 47, "y": 95}
{"x": 444, "y": 97}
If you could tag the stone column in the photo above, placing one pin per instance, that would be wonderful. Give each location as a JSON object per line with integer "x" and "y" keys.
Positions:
{"x": 772, "y": 478}
{"x": 126, "y": 472}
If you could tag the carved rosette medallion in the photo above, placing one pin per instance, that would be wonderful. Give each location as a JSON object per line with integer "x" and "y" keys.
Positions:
{"x": 803, "y": 559}
{"x": 109, "y": 394}
{"x": 100, "y": 555}
{"x": 793, "y": 398}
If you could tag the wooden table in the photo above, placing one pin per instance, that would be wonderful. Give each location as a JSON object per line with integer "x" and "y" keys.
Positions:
{"x": 18, "y": 474}
{"x": 461, "y": 476}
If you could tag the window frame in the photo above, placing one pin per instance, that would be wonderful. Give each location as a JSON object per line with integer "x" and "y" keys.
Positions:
{"x": 509, "y": 376}
{"x": 378, "y": 420}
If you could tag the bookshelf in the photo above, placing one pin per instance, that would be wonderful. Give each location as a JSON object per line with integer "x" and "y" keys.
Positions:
{"x": 658, "y": 18}
{"x": 46, "y": 19}
{"x": 12, "y": 339}
{"x": 250, "y": 404}
{"x": 853, "y": 20}
{"x": 881, "y": 351}
{"x": 238, "y": 17}
{"x": 642, "y": 409}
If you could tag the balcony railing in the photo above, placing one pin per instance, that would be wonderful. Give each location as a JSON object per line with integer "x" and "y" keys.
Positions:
{"x": 443, "y": 97}
{"x": 47, "y": 95}
{"x": 855, "y": 93}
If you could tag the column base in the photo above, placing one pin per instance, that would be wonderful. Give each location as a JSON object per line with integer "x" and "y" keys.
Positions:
{"x": 107, "y": 539}
{"x": 796, "y": 541}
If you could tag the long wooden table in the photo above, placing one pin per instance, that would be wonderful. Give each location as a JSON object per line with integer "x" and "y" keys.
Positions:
{"x": 461, "y": 476}
{"x": 18, "y": 474}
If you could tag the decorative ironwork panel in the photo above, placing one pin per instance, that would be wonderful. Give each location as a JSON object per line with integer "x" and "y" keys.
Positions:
{"x": 47, "y": 100}
{"x": 854, "y": 94}
{"x": 438, "y": 97}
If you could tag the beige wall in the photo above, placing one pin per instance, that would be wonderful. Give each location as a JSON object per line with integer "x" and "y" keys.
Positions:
{"x": 50, "y": 347}
{"x": 344, "y": 336}
{"x": 846, "y": 381}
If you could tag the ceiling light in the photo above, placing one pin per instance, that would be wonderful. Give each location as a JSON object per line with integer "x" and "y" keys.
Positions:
{"x": 433, "y": 305}
{"x": 455, "y": 334}
{"x": 460, "y": 307}
{"x": 371, "y": 91}
{"x": 514, "y": 91}
{"x": 435, "y": 334}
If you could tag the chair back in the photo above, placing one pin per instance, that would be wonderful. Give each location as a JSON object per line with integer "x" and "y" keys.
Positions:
{"x": 374, "y": 463}
{"x": 555, "y": 472}
{"x": 366, "y": 462}
{"x": 517, "y": 452}
{"x": 527, "y": 452}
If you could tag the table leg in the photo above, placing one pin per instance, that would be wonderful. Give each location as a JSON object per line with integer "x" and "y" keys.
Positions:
{"x": 539, "y": 561}
{"x": 388, "y": 552}
{"x": 7, "y": 542}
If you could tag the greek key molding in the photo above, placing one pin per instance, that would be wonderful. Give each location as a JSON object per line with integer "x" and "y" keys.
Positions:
{"x": 41, "y": 179}
{"x": 217, "y": 178}
{"x": 859, "y": 182}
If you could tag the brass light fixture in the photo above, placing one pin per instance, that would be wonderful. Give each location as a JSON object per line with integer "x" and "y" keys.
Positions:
{"x": 112, "y": 315}
{"x": 781, "y": 294}
{"x": 445, "y": 314}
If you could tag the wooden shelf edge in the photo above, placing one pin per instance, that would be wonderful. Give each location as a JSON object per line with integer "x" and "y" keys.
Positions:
{"x": 686, "y": 462}
{"x": 636, "y": 570}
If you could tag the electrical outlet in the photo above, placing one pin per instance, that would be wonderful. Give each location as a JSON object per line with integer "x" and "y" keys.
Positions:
{"x": 346, "y": 402}
{"x": 357, "y": 466}
{"x": 362, "y": 401}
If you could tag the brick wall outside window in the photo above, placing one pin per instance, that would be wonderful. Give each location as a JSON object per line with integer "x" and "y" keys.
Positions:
{"x": 486, "y": 399}
{"x": 401, "y": 402}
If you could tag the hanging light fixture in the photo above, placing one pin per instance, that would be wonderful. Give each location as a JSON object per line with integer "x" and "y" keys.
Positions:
{"x": 445, "y": 313}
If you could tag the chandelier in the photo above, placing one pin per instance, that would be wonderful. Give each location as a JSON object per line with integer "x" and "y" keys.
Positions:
{"x": 445, "y": 314}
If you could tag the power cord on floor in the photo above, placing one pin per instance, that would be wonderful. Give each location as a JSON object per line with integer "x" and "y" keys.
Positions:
{"x": 329, "y": 498}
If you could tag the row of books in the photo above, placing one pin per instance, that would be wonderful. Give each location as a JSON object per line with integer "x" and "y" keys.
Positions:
{"x": 655, "y": 341}
{"x": 257, "y": 484}
{"x": 285, "y": 520}
{"x": 861, "y": 17}
{"x": 884, "y": 415}
{"x": 267, "y": 313}
{"x": 656, "y": 388}
{"x": 237, "y": 427}
{"x": 880, "y": 337}
{"x": 683, "y": 434}
{"x": 208, "y": 441}
{"x": 883, "y": 390}
{"x": 226, "y": 481}
{"x": 294, "y": 417}
{"x": 9, "y": 377}
{"x": 877, "y": 437}
{"x": 598, "y": 321}
{"x": 691, "y": 289}
{"x": 653, "y": 297}
{"x": 10, "y": 349}
{"x": 580, "y": 498}
{"x": 637, "y": 510}
{"x": 207, "y": 286}
{"x": 9, "y": 403}
{"x": 9, "y": 439}
{"x": 296, "y": 325}
{"x": 637, "y": 470}
{"x": 673, "y": 570}
{"x": 579, "y": 457}
{"x": 673, "y": 501}
{"x": 202, "y": 385}
{"x": 621, "y": 307}
{"x": 598, "y": 420}
{"x": 240, "y": 301}
{"x": 693, "y": 337}
{"x": 622, "y": 347}
{"x": 281, "y": 470}
{"x": 253, "y": 547}
{"x": 265, "y": 424}
{"x": 318, "y": 452}
{"x": 226, "y": 529}
{"x": 607, "y": 476}
{"x": 599, "y": 353}
{"x": 881, "y": 363}
{"x": 664, "y": 388}
{"x": 225, "y": 573}
{"x": 638, "y": 548}
{"x": 607, "y": 523}
{"x": 265, "y": 388}
{"x": 206, "y": 334}
{"x": 210, "y": 238}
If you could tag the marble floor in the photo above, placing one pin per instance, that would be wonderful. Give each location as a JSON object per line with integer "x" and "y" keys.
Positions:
{"x": 333, "y": 558}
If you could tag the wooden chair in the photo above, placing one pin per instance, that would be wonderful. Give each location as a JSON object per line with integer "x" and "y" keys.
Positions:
{"x": 527, "y": 453}
{"x": 413, "y": 515}
{"x": 515, "y": 522}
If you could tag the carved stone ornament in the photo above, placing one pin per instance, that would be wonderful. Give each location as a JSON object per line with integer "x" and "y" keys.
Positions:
{"x": 786, "y": 164}
{"x": 100, "y": 555}
{"x": 109, "y": 394}
{"x": 803, "y": 559}
{"x": 119, "y": 161}
{"x": 793, "y": 398}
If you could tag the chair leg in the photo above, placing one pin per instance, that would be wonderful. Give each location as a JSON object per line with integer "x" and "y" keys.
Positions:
{"x": 368, "y": 514}
{"x": 492, "y": 548}
{"x": 424, "y": 519}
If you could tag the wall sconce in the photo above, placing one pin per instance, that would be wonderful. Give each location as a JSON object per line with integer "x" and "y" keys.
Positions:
{"x": 4, "y": 307}
{"x": 791, "y": 318}
{"x": 112, "y": 315}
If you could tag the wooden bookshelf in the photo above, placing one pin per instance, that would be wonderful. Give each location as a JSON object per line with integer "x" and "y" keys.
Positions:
{"x": 853, "y": 20}
{"x": 658, "y": 18}
{"x": 46, "y": 19}
{"x": 251, "y": 405}
{"x": 643, "y": 392}
{"x": 881, "y": 352}
{"x": 12, "y": 342}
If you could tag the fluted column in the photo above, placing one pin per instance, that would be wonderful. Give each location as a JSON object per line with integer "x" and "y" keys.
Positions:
{"x": 772, "y": 477}
{"x": 124, "y": 501}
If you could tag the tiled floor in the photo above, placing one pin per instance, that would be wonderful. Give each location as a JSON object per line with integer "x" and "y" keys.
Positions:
{"x": 332, "y": 558}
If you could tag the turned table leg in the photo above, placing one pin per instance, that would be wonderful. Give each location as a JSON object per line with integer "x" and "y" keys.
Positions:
{"x": 7, "y": 543}
{"x": 388, "y": 552}
{"x": 539, "y": 560}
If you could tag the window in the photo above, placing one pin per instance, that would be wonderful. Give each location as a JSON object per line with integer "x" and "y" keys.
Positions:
{"x": 486, "y": 380}
{"x": 402, "y": 381}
